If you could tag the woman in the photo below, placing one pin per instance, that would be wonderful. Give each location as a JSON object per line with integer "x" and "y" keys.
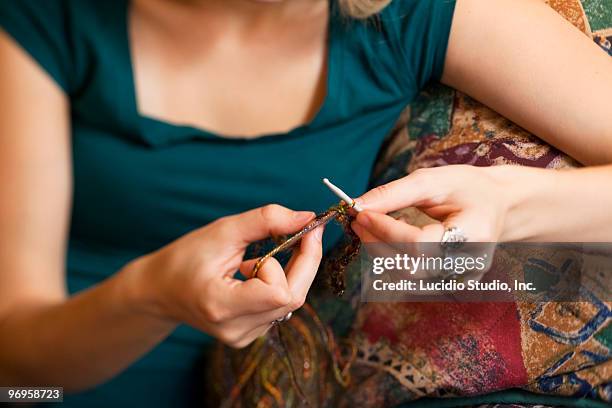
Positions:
{"x": 132, "y": 131}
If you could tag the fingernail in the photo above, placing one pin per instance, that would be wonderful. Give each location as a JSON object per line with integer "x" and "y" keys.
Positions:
{"x": 318, "y": 233}
{"x": 364, "y": 220}
{"x": 303, "y": 215}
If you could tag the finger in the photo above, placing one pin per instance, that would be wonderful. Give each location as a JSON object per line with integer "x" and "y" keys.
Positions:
{"x": 260, "y": 223}
{"x": 272, "y": 292}
{"x": 268, "y": 292}
{"x": 238, "y": 333}
{"x": 397, "y": 237}
{"x": 430, "y": 239}
{"x": 388, "y": 229}
{"x": 373, "y": 246}
{"x": 248, "y": 322}
{"x": 411, "y": 191}
{"x": 432, "y": 233}
{"x": 246, "y": 267}
{"x": 257, "y": 321}
{"x": 403, "y": 237}
{"x": 304, "y": 265}
{"x": 364, "y": 235}
{"x": 271, "y": 272}
{"x": 474, "y": 226}
{"x": 252, "y": 335}
{"x": 440, "y": 212}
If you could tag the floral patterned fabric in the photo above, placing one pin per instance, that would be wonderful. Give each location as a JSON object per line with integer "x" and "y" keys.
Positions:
{"x": 468, "y": 349}
{"x": 399, "y": 352}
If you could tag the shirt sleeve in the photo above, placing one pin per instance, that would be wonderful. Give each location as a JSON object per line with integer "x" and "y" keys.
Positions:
{"x": 422, "y": 30}
{"x": 40, "y": 27}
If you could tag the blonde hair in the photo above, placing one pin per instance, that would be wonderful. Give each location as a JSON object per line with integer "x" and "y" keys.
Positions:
{"x": 362, "y": 9}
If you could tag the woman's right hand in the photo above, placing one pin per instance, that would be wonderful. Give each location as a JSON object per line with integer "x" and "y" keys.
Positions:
{"x": 192, "y": 279}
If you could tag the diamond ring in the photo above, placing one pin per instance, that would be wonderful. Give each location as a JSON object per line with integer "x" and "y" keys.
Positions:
{"x": 283, "y": 319}
{"x": 453, "y": 238}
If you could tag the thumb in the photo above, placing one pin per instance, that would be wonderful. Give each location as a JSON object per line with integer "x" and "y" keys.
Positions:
{"x": 260, "y": 223}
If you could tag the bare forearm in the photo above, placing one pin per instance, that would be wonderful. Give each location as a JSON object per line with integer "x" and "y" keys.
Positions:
{"x": 82, "y": 341}
{"x": 558, "y": 206}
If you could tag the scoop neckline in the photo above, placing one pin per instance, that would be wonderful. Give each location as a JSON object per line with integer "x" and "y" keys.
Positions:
{"x": 168, "y": 128}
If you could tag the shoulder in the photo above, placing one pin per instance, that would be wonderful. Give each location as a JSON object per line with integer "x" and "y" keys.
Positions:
{"x": 54, "y": 32}
{"x": 422, "y": 29}
{"x": 419, "y": 21}
{"x": 409, "y": 37}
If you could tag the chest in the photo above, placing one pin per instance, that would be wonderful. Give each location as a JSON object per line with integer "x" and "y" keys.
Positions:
{"x": 139, "y": 197}
{"x": 204, "y": 74}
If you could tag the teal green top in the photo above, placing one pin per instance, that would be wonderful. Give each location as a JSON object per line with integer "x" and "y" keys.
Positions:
{"x": 140, "y": 183}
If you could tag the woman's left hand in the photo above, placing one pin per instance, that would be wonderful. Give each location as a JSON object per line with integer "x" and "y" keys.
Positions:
{"x": 475, "y": 199}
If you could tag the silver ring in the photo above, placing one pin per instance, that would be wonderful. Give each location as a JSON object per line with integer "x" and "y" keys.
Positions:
{"x": 453, "y": 238}
{"x": 283, "y": 319}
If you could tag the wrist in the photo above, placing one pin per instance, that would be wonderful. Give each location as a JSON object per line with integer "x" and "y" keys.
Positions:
{"x": 526, "y": 192}
{"x": 141, "y": 291}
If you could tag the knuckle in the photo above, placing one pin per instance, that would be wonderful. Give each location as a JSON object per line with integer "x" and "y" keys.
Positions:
{"x": 382, "y": 189}
{"x": 418, "y": 172}
{"x": 222, "y": 226}
{"x": 268, "y": 212}
{"x": 281, "y": 297}
{"x": 218, "y": 222}
{"x": 212, "y": 312}
{"x": 482, "y": 235}
{"x": 229, "y": 338}
{"x": 272, "y": 264}
{"x": 297, "y": 302}
{"x": 312, "y": 247}
{"x": 380, "y": 192}
{"x": 240, "y": 344}
{"x": 421, "y": 175}
{"x": 237, "y": 346}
